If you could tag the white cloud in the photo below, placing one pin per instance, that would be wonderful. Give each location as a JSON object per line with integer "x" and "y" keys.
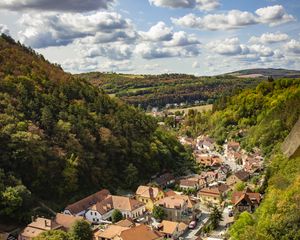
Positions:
{"x": 234, "y": 19}
{"x": 115, "y": 51}
{"x": 56, "y": 5}
{"x": 269, "y": 38}
{"x": 228, "y": 47}
{"x": 158, "y": 32}
{"x": 152, "y": 51}
{"x": 80, "y": 65}
{"x": 196, "y": 64}
{"x": 293, "y": 46}
{"x": 62, "y": 29}
{"x": 205, "y": 5}
{"x": 181, "y": 38}
{"x": 4, "y": 29}
{"x": 274, "y": 15}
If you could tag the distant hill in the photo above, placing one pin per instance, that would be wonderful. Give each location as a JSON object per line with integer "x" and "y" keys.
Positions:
{"x": 266, "y": 72}
{"x": 149, "y": 91}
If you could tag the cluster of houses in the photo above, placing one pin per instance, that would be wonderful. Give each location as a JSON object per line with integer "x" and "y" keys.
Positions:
{"x": 223, "y": 168}
{"x": 136, "y": 210}
{"x": 209, "y": 188}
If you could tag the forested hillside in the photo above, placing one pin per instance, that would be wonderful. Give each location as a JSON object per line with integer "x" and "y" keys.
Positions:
{"x": 61, "y": 138}
{"x": 259, "y": 117}
{"x": 149, "y": 91}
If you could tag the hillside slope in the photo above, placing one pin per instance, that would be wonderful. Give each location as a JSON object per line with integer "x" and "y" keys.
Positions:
{"x": 62, "y": 138}
{"x": 149, "y": 91}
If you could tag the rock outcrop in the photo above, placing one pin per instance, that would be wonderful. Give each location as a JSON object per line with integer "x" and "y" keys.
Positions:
{"x": 291, "y": 145}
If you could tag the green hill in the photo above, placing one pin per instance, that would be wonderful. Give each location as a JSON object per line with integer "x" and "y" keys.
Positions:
{"x": 61, "y": 138}
{"x": 149, "y": 91}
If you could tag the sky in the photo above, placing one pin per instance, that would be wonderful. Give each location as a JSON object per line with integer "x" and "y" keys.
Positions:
{"x": 201, "y": 37}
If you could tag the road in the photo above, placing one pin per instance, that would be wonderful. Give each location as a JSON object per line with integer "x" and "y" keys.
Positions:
{"x": 191, "y": 233}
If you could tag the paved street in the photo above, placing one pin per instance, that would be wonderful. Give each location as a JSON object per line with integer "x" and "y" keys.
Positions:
{"x": 191, "y": 233}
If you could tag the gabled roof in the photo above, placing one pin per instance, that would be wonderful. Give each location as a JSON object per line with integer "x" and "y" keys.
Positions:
{"x": 126, "y": 223}
{"x": 214, "y": 192}
{"x": 38, "y": 226}
{"x": 242, "y": 175}
{"x": 116, "y": 202}
{"x": 85, "y": 203}
{"x": 246, "y": 195}
{"x": 141, "y": 232}
{"x": 110, "y": 232}
{"x": 176, "y": 202}
{"x": 148, "y": 192}
{"x": 126, "y": 203}
{"x": 66, "y": 220}
{"x": 164, "y": 178}
{"x": 169, "y": 227}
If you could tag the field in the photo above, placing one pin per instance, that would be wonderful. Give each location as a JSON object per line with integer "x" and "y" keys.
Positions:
{"x": 198, "y": 108}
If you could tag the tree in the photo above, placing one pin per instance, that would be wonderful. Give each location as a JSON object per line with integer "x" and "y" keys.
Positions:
{"x": 53, "y": 235}
{"x": 240, "y": 186}
{"x": 215, "y": 217}
{"x": 236, "y": 230}
{"x": 158, "y": 212}
{"x": 116, "y": 216}
{"x": 81, "y": 230}
{"x": 131, "y": 175}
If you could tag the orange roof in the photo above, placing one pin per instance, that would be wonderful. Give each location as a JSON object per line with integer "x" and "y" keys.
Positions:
{"x": 116, "y": 202}
{"x": 210, "y": 192}
{"x": 170, "y": 193}
{"x": 141, "y": 232}
{"x": 66, "y": 220}
{"x": 169, "y": 227}
{"x": 110, "y": 232}
{"x": 148, "y": 192}
{"x": 176, "y": 201}
{"x": 126, "y": 203}
{"x": 39, "y": 226}
{"x": 85, "y": 203}
{"x": 253, "y": 197}
{"x": 126, "y": 223}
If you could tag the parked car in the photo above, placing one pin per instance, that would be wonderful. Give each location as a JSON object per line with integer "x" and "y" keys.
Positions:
{"x": 192, "y": 224}
{"x": 230, "y": 214}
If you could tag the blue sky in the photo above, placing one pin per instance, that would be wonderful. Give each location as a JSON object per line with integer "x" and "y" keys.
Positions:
{"x": 202, "y": 37}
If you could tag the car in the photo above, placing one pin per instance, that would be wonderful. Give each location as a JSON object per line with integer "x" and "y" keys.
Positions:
{"x": 230, "y": 214}
{"x": 192, "y": 224}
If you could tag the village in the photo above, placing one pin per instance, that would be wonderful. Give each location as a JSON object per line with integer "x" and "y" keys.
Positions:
{"x": 196, "y": 206}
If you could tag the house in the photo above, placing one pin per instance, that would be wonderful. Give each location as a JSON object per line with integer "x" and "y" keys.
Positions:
{"x": 102, "y": 211}
{"x": 189, "y": 183}
{"x": 239, "y": 176}
{"x": 126, "y": 223}
{"x": 149, "y": 195}
{"x": 205, "y": 143}
{"x": 171, "y": 229}
{"x": 66, "y": 220}
{"x": 164, "y": 180}
{"x": 245, "y": 201}
{"x": 177, "y": 208}
{"x": 252, "y": 165}
{"x": 141, "y": 232}
{"x": 111, "y": 232}
{"x": 209, "y": 161}
{"x": 213, "y": 196}
{"x": 38, "y": 226}
{"x": 80, "y": 207}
